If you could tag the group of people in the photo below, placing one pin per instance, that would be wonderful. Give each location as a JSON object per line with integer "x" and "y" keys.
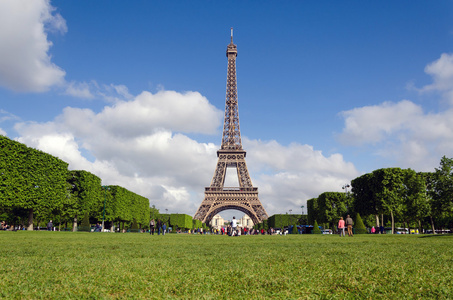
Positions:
{"x": 98, "y": 228}
{"x": 160, "y": 226}
{"x": 345, "y": 223}
{"x": 379, "y": 230}
{"x": 3, "y": 226}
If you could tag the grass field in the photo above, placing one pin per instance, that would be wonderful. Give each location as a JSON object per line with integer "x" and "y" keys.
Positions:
{"x": 59, "y": 265}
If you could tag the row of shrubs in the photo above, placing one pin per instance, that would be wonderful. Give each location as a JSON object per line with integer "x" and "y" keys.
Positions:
{"x": 293, "y": 221}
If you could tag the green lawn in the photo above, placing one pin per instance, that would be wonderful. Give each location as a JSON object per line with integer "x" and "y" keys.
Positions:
{"x": 56, "y": 265}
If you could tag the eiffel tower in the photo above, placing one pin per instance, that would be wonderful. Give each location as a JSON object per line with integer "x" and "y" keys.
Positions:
{"x": 217, "y": 197}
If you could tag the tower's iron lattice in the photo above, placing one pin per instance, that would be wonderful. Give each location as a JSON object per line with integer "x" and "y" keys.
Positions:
{"x": 217, "y": 197}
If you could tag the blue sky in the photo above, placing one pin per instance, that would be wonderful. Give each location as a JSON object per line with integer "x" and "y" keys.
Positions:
{"x": 134, "y": 92}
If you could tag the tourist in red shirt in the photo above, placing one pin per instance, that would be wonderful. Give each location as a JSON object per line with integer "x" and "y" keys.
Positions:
{"x": 341, "y": 226}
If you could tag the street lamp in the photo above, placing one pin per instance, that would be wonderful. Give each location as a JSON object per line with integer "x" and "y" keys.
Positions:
{"x": 302, "y": 218}
{"x": 105, "y": 199}
{"x": 345, "y": 188}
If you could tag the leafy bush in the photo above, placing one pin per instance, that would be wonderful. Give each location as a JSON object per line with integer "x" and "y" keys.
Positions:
{"x": 316, "y": 229}
{"x": 359, "y": 226}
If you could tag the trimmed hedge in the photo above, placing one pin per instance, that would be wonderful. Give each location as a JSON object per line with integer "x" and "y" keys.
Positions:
{"x": 316, "y": 229}
{"x": 85, "y": 195}
{"x": 181, "y": 221}
{"x": 31, "y": 179}
{"x": 125, "y": 206}
{"x": 312, "y": 210}
{"x": 197, "y": 224}
{"x": 41, "y": 185}
{"x": 359, "y": 227}
{"x": 282, "y": 220}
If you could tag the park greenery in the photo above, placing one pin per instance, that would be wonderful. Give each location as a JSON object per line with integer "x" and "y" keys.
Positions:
{"x": 36, "y": 186}
{"x": 65, "y": 265}
{"x": 400, "y": 196}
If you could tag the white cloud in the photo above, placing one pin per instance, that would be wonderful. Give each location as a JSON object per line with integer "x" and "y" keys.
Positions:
{"x": 90, "y": 90}
{"x": 7, "y": 116}
{"x": 287, "y": 176}
{"x": 114, "y": 93}
{"x": 373, "y": 124}
{"x": 25, "y": 64}
{"x": 403, "y": 132}
{"x": 188, "y": 112}
{"x": 136, "y": 144}
{"x": 25, "y": 60}
{"x": 2, "y": 132}
{"x": 79, "y": 90}
{"x": 140, "y": 144}
{"x": 441, "y": 71}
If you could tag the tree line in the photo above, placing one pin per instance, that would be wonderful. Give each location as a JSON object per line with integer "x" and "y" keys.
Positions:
{"x": 391, "y": 196}
{"x": 36, "y": 186}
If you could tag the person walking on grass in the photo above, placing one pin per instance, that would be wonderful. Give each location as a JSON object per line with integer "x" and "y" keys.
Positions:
{"x": 234, "y": 224}
{"x": 151, "y": 227}
{"x": 49, "y": 226}
{"x": 341, "y": 226}
{"x": 159, "y": 226}
{"x": 349, "y": 224}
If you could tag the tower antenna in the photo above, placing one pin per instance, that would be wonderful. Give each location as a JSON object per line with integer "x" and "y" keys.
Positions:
{"x": 231, "y": 35}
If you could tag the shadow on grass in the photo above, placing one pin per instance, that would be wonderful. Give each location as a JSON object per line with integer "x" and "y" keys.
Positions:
{"x": 436, "y": 235}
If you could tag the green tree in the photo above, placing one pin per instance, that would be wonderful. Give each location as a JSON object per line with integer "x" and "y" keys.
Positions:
{"x": 366, "y": 202}
{"x": 381, "y": 191}
{"x": 391, "y": 191}
{"x": 434, "y": 210}
{"x": 439, "y": 186}
{"x": 443, "y": 188}
{"x": 416, "y": 200}
{"x": 332, "y": 206}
